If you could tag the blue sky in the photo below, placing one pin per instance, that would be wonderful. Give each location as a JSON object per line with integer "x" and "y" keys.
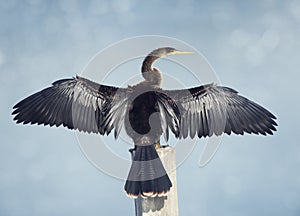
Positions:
{"x": 253, "y": 47}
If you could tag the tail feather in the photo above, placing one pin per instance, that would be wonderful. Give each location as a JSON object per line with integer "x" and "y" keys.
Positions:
{"x": 147, "y": 175}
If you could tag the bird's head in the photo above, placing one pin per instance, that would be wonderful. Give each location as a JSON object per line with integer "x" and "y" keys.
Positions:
{"x": 152, "y": 74}
{"x": 166, "y": 51}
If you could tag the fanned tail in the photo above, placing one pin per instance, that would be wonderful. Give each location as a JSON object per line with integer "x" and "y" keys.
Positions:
{"x": 147, "y": 175}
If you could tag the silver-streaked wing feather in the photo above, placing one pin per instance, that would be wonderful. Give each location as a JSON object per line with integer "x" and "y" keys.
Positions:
{"x": 212, "y": 109}
{"x": 76, "y": 103}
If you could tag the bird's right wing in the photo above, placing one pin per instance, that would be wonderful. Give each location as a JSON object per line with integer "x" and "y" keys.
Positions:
{"x": 212, "y": 109}
{"x": 76, "y": 103}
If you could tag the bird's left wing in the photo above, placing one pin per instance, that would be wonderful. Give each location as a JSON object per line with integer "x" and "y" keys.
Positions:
{"x": 76, "y": 103}
{"x": 212, "y": 109}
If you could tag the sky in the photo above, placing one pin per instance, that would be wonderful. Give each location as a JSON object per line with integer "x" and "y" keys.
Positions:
{"x": 252, "y": 46}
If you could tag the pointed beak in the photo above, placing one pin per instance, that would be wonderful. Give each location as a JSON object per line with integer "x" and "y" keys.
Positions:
{"x": 181, "y": 52}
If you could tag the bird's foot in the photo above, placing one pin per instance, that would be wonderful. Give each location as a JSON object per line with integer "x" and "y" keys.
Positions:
{"x": 157, "y": 145}
{"x": 131, "y": 150}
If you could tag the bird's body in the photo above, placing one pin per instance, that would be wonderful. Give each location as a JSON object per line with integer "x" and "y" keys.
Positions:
{"x": 142, "y": 119}
{"x": 148, "y": 112}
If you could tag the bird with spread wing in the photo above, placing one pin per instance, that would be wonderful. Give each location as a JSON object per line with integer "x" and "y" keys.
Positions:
{"x": 147, "y": 112}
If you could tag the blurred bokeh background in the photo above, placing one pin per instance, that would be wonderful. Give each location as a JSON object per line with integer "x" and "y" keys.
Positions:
{"x": 253, "y": 46}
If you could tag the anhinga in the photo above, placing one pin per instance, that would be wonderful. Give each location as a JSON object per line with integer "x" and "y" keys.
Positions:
{"x": 147, "y": 111}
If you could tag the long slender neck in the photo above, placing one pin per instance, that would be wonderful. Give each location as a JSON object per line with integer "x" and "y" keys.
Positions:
{"x": 152, "y": 75}
{"x": 147, "y": 63}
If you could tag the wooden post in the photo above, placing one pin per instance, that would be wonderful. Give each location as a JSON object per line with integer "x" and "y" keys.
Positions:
{"x": 166, "y": 205}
